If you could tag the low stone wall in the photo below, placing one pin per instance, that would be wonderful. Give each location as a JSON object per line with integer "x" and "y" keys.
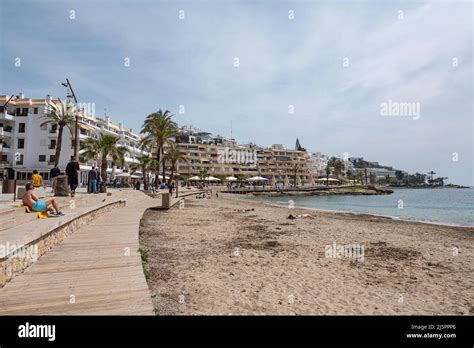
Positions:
{"x": 23, "y": 256}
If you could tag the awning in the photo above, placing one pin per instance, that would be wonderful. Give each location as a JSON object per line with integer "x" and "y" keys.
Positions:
{"x": 257, "y": 178}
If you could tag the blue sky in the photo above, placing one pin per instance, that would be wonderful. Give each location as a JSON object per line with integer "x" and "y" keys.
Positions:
{"x": 283, "y": 62}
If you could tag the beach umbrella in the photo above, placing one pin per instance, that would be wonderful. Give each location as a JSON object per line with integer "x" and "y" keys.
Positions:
{"x": 194, "y": 178}
{"x": 231, "y": 178}
{"x": 161, "y": 177}
{"x": 311, "y": 180}
{"x": 212, "y": 178}
{"x": 273, "y": 181}
{"x": 257, "y": 178}
{"x": 287, "y": 181}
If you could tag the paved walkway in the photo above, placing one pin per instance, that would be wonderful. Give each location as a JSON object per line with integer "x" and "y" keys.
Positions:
{"x": 96, "y": 270}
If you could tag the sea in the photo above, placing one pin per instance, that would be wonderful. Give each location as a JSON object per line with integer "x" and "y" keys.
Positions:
{"x": 450, "y": 206}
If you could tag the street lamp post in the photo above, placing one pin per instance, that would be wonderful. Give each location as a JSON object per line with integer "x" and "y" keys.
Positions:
{"x": 67, "y": 84}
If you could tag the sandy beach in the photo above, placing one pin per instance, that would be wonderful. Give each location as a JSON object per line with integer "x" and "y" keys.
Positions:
{"x": 212, "y": 257}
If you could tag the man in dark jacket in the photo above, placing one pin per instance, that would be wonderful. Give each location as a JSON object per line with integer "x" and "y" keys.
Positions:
{"x": 72, "y": 176}
{"x": 92, "y": 180}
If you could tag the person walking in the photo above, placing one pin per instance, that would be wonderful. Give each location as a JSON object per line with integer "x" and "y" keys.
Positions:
{"x": 92, "y": 180}
{"x": 72, "y": 169}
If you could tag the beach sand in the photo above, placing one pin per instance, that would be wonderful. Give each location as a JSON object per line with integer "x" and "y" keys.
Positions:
{"x": 212, "y": 258}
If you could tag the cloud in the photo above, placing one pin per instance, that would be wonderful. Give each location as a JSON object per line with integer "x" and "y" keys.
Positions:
{"x": 283, "y": 62}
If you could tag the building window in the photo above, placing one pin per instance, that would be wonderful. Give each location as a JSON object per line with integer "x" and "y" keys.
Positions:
{"x": 52, "y": 158}
{"x": 20, "y": 160}
{"x": 35, "y": 111}
{"x": 18, "y": 112}
{"x": 24, "y": 112}
{"x": 21, "y": 127}
{"x": 42, "y": 158}
{"x": 4, "y": 158}
{"x": 21, "y": 143}
{"x": 52, "y": 144}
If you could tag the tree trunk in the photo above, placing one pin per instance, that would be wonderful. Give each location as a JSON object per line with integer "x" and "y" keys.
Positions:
{"x": 157, "y": 171}
{"x": 145, "y": 178}
{"x": 103, "y": 174}
{"x": 327, "y": 178}
{"x": 164, "y": 163}
{"x": 57, "y": 153}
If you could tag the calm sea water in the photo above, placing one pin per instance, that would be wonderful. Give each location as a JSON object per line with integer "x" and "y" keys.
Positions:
{"x": 449, "y": 206}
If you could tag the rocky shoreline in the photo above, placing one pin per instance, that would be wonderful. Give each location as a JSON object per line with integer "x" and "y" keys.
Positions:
{"x": 350, "y": 190}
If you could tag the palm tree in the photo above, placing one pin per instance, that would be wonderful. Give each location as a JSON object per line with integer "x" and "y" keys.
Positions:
{"x": 349, "y": 175}
{"x": 61, "y": 114}
{"x": 431, "y": 174}
{"x": 145, "y": 162}
{"x": 337, "y": 164}
{"x": 203, "y": 173}
{"x": 328, "y": 171}
{"x": 295, "y": 173}
{"x": 173, "y": 156}
{"x": 103, "y": 148}
{"x": 159, "y": 129}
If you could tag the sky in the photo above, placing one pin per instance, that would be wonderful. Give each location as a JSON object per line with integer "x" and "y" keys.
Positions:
{"x": 319, "y": 71}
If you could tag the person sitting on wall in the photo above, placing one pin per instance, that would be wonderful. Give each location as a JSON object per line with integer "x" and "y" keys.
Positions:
{"x": 37, "y": 205}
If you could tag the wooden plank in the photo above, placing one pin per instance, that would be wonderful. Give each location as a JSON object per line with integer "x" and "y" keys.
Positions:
{"x": 92, "y": 266}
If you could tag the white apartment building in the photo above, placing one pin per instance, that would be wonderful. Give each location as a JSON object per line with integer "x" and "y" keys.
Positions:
{"x": 26, "y": 146}
{"x": 317, "y": 163}
{"x": 378, "y": 172}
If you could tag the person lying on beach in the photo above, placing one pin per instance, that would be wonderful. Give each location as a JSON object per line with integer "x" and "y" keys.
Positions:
{"x": 303, "y": 216}
{"x": 37, "y": 205}
{"x": 244, "y": 210}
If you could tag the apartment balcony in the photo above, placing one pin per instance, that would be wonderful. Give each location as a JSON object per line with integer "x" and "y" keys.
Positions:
{"x": 133, "y": 149}
{"x": 5, "y": 149}
{"x": 6, "y": 115}
{"x": 5, "y": 133}
{"x": 53, "y": 133}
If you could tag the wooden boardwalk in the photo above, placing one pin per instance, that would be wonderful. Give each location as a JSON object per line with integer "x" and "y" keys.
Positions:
{"x": 97, "y": 270}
